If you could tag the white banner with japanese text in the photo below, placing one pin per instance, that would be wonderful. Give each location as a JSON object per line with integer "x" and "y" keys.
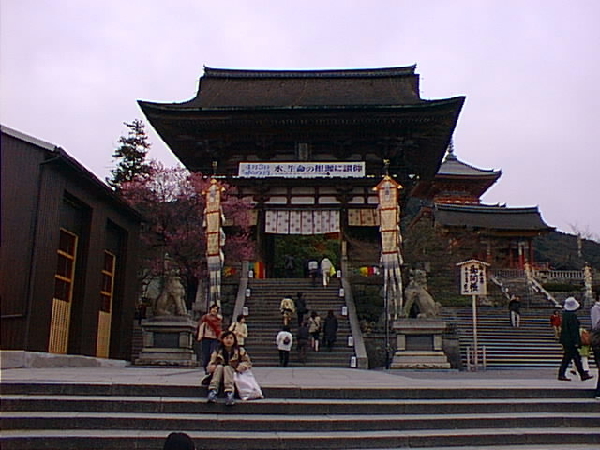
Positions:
{"x": 302, "y": 169}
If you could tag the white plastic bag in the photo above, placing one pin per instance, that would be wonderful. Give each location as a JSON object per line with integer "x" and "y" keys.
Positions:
{"x": 246, "y": 385}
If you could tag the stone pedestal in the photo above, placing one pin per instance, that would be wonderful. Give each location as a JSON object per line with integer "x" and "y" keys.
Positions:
{"x": 419, "y": 344}
{"x": 168, "y": 341}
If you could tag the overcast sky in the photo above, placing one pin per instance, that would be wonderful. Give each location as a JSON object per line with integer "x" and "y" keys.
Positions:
{"x": 71, "y": 72}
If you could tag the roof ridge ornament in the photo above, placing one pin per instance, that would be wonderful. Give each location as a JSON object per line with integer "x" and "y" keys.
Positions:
{"x": 450, "y": 151}
{"x": 386, "y": 167}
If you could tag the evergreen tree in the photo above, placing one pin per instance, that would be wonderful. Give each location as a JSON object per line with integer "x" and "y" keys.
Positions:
{"x": 131, "y": 155}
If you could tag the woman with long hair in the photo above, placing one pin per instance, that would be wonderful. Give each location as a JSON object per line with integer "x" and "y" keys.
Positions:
{"x": 227, "y": 359}
{"x": 240, "y": 329}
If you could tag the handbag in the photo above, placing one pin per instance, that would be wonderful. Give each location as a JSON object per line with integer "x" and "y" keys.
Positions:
{"x": 246, "y": 385}
{"x": 585, "y": 337}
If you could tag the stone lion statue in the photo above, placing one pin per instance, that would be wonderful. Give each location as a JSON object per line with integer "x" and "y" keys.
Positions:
{"x": 171, "y": 300}
{"x": 419, "y": 302}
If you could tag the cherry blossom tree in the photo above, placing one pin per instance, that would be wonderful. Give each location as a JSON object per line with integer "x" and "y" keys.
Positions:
{"x": 172, "y": 202}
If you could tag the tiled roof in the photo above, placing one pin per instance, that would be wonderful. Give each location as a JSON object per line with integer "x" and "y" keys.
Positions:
{"x": 453, "y": 166}
{"x": 490, "y": 217}
{"x": 227, "y": 88}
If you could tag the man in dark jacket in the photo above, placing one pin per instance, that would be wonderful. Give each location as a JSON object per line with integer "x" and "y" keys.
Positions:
{"x": 330, "y": 327}
{"x": 570, "y": 339}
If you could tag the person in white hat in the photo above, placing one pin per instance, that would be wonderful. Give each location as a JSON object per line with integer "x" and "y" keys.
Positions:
{"x": 570, "y": 339}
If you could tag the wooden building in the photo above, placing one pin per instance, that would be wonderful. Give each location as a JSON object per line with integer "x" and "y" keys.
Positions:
{"x": 68, "y": 255}
{"x": 500, "y": 235}
{"x": 308, "y": 146}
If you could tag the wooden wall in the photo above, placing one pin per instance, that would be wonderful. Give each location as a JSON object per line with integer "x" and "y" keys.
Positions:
{"x": 38, "y": 185}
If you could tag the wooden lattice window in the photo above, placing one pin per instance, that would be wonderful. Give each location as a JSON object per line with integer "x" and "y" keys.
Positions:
{"x": 108, "y": 281}
{"x": 63, "y": 292}
{"x": 65, "y": 267}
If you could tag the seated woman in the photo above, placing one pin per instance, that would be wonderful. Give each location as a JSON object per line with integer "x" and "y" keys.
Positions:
{"x": 227, "y": 359}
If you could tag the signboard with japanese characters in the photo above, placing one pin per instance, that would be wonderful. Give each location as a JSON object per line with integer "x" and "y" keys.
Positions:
{"x": 473, "y": 279}
{"x": 301, "y": 169}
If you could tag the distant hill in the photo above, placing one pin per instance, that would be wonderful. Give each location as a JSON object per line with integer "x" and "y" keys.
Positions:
{"x": 559, "y": 250}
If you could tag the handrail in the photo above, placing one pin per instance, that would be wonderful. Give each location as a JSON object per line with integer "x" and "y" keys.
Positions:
{"x": 559, "y": 274}
{"x": 541, "y": 273}
{"x": 505, "y": 291}
{"x": 360, "y": 350}
{"x": 537, "y": 287}
{"x": 240, "y": 298}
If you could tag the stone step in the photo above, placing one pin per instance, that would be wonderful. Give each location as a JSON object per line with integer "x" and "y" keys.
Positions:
{"x": 240, "y": 421}
{"x": 531, "y": 345}
{"x": 266, "y": 440}
{"x": 191, "y": 392}
{"x": 264, "y": 321}
{"x": 300, "y": 407}
{"x": 111, "y": 415}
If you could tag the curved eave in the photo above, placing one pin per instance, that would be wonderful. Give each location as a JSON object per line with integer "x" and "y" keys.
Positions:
{"x": 498, "y": 219}
{"x": 428, "y": 188}
{"x": 178, "y": 108}
{"x": 180, "y": 127}
{"x": 216, "y": 72}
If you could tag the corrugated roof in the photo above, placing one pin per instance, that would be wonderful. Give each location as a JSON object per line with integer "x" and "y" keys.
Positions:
{"x": 54, "y": 151}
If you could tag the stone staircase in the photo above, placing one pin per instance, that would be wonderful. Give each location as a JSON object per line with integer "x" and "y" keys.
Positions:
{"x": 118, "y": 416}
{"x": 518, "y": 285}
{"x": 264, "y": 320}
{"x": 531, "y": 345}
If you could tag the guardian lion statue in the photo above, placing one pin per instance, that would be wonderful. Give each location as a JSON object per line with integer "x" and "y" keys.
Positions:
{"x": 171, "y": 301}
{"x": 417, "y": 297}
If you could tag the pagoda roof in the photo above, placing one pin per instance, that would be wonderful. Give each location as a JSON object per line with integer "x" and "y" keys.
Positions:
{"x": 452, "y": 166}
{"x": 235, "y": 107}
{"x": 490, "y": 217}
{"x": 474, "y": 181}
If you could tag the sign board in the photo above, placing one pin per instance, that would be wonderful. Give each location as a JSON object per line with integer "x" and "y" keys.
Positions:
{"x": 302, "y": 169}
{"x": 473, "y": 279}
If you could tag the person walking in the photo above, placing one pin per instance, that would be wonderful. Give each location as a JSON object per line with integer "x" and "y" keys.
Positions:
{"x": 287, "y": 309}
{"x": 556, "y": 322}
{"x": 288, "y": 266}
{"x": 302, "y": 338}
{"x": 301, "y": 308}
{"x": 330, "y": 326}
{"x": 595, "y": 340}
{"x": 571, "y": 340}
{"x": 514, "y": 310}
{"x": 284, "y": 345}
{"x": 209, "y": 331}
{"x": 227, "y": 359}
{"x": 326, "y": 266}
{"x": 313, "y": 271}
{"x": 240, "y": 329}
{"x": 314, "y": 330}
